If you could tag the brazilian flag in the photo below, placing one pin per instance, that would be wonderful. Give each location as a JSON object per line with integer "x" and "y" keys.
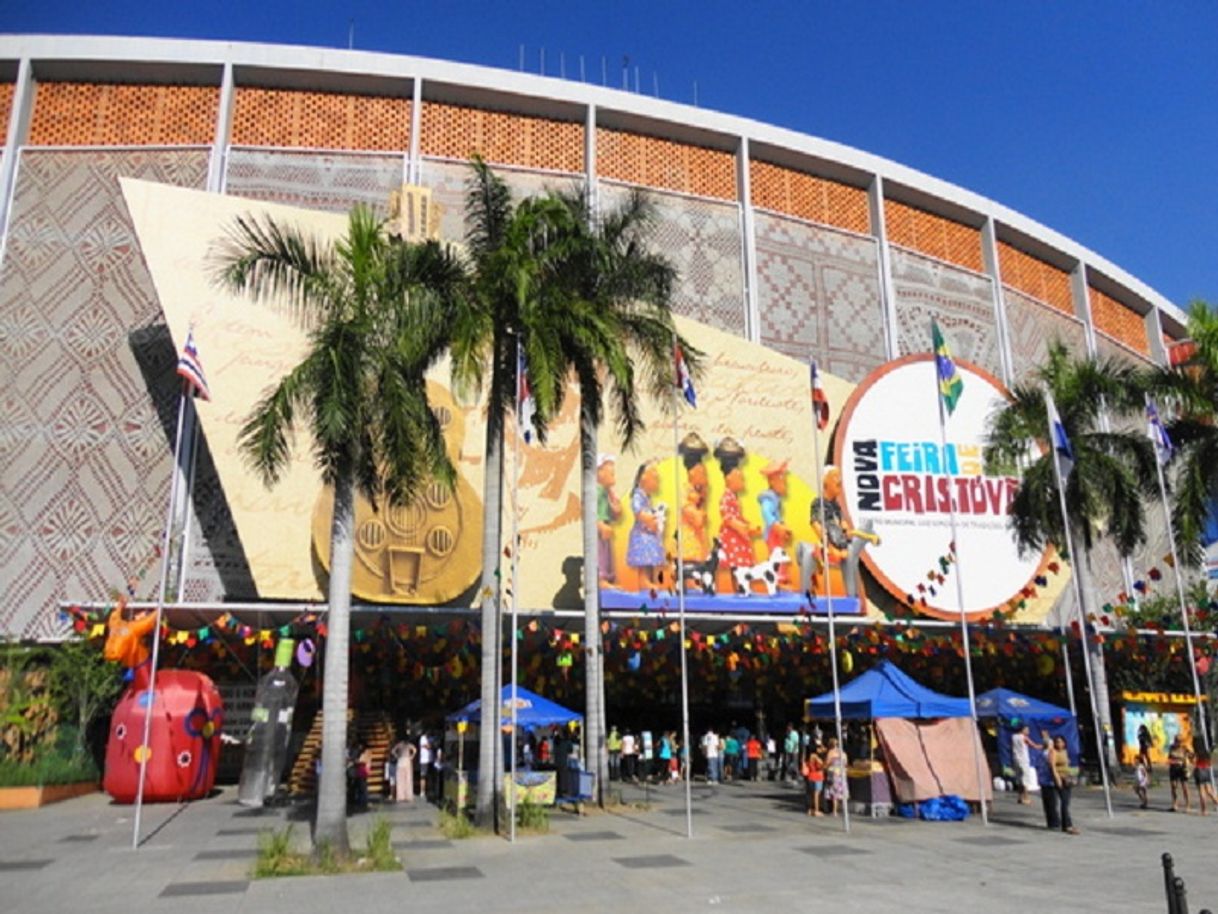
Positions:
{"x": 951, "y": 385}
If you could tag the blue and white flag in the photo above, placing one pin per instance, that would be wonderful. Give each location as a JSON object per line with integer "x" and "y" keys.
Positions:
{"x": 1063, "y": 453}
{"x": 1158, "y": 434}
{"x": 685, "y": 383}
{"x": 526, "y": 405}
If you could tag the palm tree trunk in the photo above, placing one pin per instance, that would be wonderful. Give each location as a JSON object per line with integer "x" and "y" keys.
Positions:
{"x": 596, "y": 753}
{"x": 488, "y": 729}
{"x": 330, "y": 827}
{"x": 1099, "y": 673}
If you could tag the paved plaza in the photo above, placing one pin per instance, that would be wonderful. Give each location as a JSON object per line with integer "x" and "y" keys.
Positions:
{"x": 753, "y": 850}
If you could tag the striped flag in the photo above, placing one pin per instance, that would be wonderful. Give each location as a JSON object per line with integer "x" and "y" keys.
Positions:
{"x": 1158, "y": 434}
{"x": 685, "y": 383}
{"x": 951, "y": 385}
{"x": 190, "y": 369}
{"x": 820, "y": 402}
{"x": 525, "y": 403}
{"x": 1063, "y": 453}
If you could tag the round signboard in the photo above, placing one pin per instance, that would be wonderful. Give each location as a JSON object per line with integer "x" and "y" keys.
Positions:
{"x": 901, "y": 481}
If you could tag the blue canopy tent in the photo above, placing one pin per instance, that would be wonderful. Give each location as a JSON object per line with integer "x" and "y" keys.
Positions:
{"x": 531, "y": 710}
{"x": 885, "y": 691}
{"x": 1013, "y": 710}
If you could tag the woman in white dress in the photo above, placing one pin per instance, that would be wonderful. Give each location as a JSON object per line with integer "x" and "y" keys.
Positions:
{"x": 1021, "y": 756}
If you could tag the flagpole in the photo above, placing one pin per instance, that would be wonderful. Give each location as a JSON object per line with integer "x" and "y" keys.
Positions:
{"x": 1078, "y": 599}
{"x": 824, "y": 545}
{"x": 1175, "y": 563}
{"x": 515, "y": 599}
{"x": 676, "y": 481}
{"x": 964, "y": 636}
{"x": 145, "y": 748}
{"x": 184, "y": 551}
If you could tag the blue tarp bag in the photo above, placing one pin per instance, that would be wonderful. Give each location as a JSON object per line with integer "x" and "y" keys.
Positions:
{"x": 949, "y": 808}
{"x": 907, "y": 810}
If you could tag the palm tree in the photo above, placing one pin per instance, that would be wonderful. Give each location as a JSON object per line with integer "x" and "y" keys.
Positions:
{"x": 1114, "y": 471}
{"x": 514, "y": 264}
{"x": 1192, "y": 390}
{"x": 618, "y": 316}
{"x": 377, "y": 311}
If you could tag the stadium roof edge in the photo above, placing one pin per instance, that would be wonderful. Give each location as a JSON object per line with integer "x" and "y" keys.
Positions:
{"x": 57, "y": 55}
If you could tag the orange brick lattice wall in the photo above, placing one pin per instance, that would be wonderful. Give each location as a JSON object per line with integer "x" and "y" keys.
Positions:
{"x": 805, "y": 196}
{"x": 665, "y": 164}
{"x": 501, "y": 138}
{"x": 6, "y": 109}
{"x": 320, "y": 120}
{"x": 1110, "y": 317}
{"x": 933, "y": 235}
{"x": 107, "y": 114}
{"x": 1034, "y": 277}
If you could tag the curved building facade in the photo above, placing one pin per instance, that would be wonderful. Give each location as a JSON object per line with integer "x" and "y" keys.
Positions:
{"x": 794, "y": 242}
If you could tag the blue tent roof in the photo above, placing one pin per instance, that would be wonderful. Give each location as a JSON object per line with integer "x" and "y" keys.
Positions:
{"x": 1005, "y": 704}
{"x": 884, "y": 691}
{"x": 531, "y": 710}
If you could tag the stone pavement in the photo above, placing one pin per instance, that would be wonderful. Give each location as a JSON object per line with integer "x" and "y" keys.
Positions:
{"x": 753, "y": 849}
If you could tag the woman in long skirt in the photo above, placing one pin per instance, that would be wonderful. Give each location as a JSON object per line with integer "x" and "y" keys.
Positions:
{"x": 404, "y": 752}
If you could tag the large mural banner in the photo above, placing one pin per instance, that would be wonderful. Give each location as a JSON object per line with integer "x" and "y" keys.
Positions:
{"x": 728, "y": 487}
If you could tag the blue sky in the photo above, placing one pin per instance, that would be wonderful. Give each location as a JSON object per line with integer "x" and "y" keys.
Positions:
{"x": 1099, "y": 119}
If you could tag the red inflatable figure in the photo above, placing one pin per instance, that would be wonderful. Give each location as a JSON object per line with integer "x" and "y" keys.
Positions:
{"x": 184, "y": 741}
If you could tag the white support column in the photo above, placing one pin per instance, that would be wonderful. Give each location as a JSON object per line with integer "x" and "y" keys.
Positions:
{"x": 748, "y": 243}
{"x": 591, "y": 188}
{"x": 1154, "y": 335}
{"x": 993, "y": 269}
{"x": 414, "y": 160}
{"x": 217, "y": 166}
{"x": 1082, "y": 303}
{"x": 879, "y": 231}
{"x": 14, "y": 139}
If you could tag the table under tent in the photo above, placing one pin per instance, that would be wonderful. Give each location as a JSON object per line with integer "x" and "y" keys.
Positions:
{"x": 926, "y": 741}
{"x": 540, "y": 781}
{"x": 1012, "y": 711}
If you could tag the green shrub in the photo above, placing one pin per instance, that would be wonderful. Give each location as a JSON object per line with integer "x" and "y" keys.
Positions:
{"x": 532, "y": 816}
{"x": 276, "y": 856}
{"x": 380, "y": 846}
{"x": 456, "y": 825}
{"x": 325, "y": 859}
{"x": 46, "y": 770}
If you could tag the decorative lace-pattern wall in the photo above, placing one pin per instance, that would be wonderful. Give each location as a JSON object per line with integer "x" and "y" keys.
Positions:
{"x": 1032, "y": 325}
{"x": 819, "y": 295}
{"x": 330, "y": 181}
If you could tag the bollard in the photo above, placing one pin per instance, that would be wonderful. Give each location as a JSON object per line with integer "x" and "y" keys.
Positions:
{"x": 1169, "y": 877}
{"x": 1181, "y": 896}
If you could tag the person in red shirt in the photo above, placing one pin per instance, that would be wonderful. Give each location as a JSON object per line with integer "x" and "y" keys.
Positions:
{"x": 752, "y": 749}
{"x": 814, "y": 781}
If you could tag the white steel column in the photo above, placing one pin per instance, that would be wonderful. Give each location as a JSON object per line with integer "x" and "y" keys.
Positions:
{"x": 217, "y": 167}
{"x": 591, "y": 188}
{"x": 14, "y": 139}
{"x": 1154, "y": 335}
{"x": 1082, "y": 303}
{"x": 414, "y": 174}
{"x": 879, "y": 231}
{"x": 748, "y": 243}
{"x": 993, "y": 269}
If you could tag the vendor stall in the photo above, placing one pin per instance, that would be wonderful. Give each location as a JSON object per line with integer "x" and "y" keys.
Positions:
{"x": 538, "y": 780}
{"x": 927, "y": 739}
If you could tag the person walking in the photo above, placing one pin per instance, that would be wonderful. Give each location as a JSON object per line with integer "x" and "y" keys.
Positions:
{"x": 753, "y": 752}
{"x": 1179, "y": 761}
{"x": 630, "y": 758}
{"x": 838, "y": 792}
{"x": 1201, "y": 780}
{"x": 613, "y": 742}
{"x": 790, "y": 753}
{"x": 710, "y": 748}
{"x": 1021, "y": 756}
{"x": 403, "y": 754}
{"x": 814, "y": 782}
{"x": 1057, "y": 779}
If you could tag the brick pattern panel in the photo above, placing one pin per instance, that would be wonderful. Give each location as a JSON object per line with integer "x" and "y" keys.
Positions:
{"x": 1036, "y": 278}
{"x": 933, "y": 235}
{"x": 449, "y": 183}
{"x": 819, "y": 295}
{"x": 89, "y": 394}
{"x": 501, "y": 138}
{"x": 636, "y": 158}
{"x": 961, "y": 302}
{"x": 316, "y": 180}
{"x": 320, "y": 120}
{"x": 7, "y": 93}
{"x": 805, "y": 196}
{"x": 1117, "y": 321}
{"x": 1032, "y": 325}
{"x": 104, "y": 114}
